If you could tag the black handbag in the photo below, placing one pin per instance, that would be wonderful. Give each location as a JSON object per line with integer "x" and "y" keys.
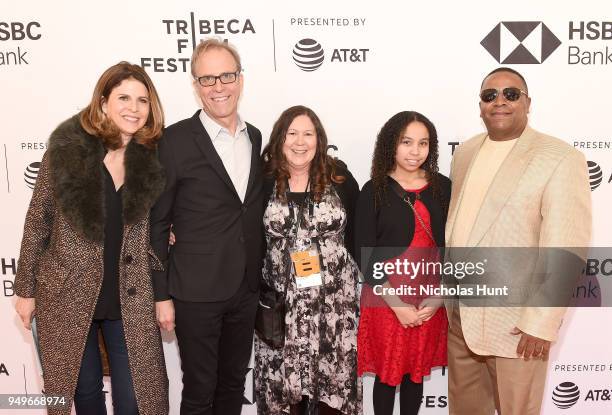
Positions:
{"x": 271, "y": 310}
{"x": 270, "y": 317}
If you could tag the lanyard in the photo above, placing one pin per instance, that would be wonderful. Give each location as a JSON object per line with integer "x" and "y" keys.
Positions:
{"x": 298, "y": 220}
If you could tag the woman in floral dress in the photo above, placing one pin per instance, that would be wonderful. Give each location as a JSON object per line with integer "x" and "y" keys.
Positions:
{"x": 316, "y": 366}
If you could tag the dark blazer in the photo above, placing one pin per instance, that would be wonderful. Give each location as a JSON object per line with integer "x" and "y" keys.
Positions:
{"x": 392, "y": 224}
{"x": 218, "y": 237}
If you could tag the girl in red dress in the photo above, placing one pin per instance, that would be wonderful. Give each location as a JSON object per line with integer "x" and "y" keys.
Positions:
{"x": 402, "y": 333}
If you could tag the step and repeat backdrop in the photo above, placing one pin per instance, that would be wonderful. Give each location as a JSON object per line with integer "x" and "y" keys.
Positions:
{"x": 367, "y": 61}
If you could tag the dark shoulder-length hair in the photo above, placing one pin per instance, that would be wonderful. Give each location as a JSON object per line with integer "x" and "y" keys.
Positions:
{"x": 323, "y": 167}
{"x": 387, "y": 141}
{"x": 95, "y": 122}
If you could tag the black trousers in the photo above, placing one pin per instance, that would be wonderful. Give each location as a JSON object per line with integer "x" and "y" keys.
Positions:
{"x": 215, "y": 341}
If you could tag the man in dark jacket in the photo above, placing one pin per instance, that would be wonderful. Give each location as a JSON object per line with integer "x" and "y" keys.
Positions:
{"x": 213, "y": 201}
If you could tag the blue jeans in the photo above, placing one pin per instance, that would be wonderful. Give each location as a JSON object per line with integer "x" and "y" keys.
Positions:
{"x": 89, "y": 397}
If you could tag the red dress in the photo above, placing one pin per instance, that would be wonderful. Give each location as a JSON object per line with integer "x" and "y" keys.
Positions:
{"x": 384, "y": 346}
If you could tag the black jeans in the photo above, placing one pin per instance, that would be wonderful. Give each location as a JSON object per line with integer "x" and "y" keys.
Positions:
{"x": 89, "y": 397}
{"x": 215, "y": 341}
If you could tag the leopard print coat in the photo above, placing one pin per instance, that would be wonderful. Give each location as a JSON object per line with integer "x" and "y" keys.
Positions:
{"x": 61, "y": 262}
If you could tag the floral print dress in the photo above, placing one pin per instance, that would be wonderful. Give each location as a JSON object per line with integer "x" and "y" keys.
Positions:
{"x": 319, "y": 357}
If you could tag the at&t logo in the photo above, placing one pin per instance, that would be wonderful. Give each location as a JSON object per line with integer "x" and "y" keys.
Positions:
{"x": 31, "y": 173}
{"x": 520, "y": 42}
{"x": 565, "y": 395}
{"x": 308, "y": 55}
{"x": 596, "y": 176}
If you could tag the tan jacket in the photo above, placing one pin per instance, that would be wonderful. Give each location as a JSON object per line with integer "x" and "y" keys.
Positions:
{"x": 540, "y": 197}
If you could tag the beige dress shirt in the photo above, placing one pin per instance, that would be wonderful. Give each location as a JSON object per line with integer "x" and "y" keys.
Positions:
{"x": 490, "y": 157}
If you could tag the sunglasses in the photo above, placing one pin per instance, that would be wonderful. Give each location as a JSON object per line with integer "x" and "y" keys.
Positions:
{"x": 511, "y": 94}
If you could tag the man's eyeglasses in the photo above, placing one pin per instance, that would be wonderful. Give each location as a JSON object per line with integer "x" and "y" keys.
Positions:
{"x": 511, "y": 94}
{"x": 225, "y": 78}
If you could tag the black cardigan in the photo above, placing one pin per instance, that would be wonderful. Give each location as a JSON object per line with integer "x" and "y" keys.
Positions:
{"x": 392, "y": 224}
{"x": 348, "y": 191}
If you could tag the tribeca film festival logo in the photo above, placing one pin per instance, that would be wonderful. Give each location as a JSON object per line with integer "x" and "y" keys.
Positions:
{"x": 532, "y": 42}
{"x": 308, "y": 55}
{"x": 17, "y": 32}
{"x": 187, "y": 33}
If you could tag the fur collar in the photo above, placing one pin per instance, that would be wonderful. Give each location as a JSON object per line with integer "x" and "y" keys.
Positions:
{"x": 78, "y": 179}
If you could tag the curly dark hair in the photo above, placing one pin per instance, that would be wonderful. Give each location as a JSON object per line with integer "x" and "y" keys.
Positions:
{"x": 323, "y": 167}
{"x": 383, "y": 160}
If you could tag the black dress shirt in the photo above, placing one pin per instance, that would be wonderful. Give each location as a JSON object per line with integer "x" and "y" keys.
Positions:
{"x": 109, "y": 306}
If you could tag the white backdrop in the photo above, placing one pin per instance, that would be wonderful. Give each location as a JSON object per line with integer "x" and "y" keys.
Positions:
{"x": 425, "y": 56}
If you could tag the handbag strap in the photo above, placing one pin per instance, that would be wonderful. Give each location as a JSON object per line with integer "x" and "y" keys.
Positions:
{"x": 313, "y": 404}
{"x": 405, "y": 196}
{"x": 297, "y": 220}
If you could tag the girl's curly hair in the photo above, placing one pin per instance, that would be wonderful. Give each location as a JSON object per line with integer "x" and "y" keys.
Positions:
{"x": 387, "y": 141}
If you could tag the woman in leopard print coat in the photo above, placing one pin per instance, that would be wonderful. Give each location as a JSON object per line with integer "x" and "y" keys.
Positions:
{"x": 62, "y": 262}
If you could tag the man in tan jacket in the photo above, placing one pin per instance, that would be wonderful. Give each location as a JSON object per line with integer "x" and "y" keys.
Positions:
{"x": 511, "y": 187}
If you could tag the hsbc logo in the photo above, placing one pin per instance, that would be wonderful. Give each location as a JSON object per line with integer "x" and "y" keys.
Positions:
{"x": 520, "y": 42}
